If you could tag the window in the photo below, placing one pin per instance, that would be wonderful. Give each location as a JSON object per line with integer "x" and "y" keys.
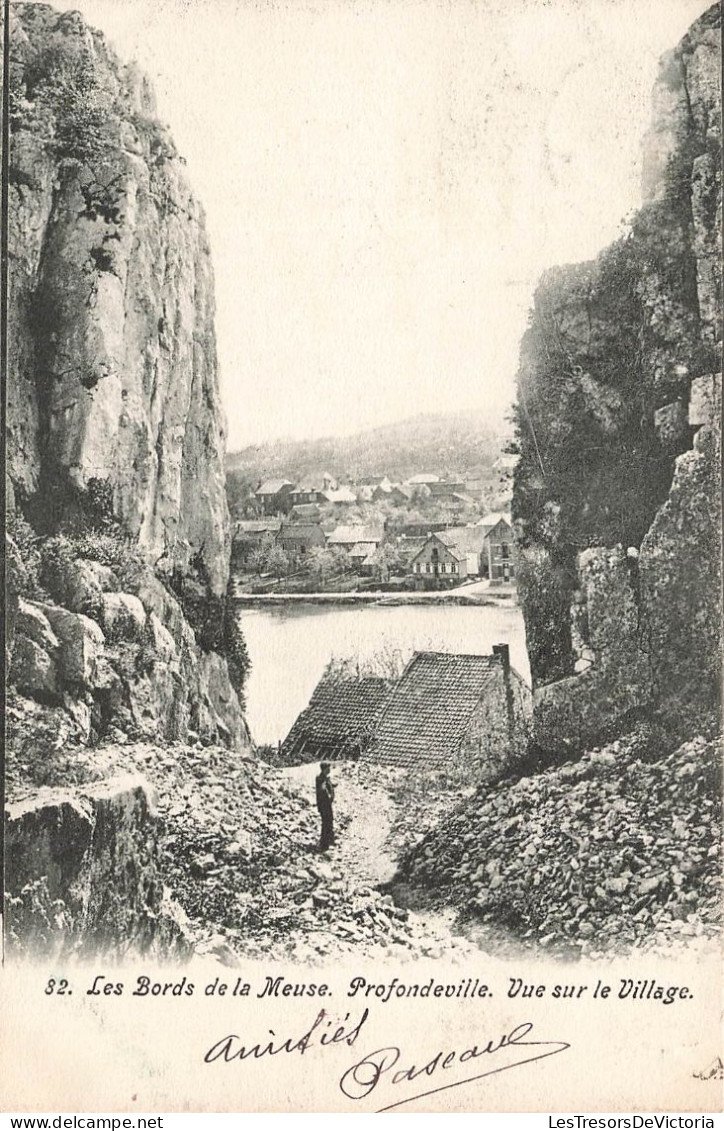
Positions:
{"x": 453, "y": 568}
{"x": 504, "y": 550}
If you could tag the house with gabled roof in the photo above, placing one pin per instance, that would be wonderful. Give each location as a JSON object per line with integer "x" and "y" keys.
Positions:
{"x": 298, "y": 539}
{"x": 312, "y": 489}
{"x": 274, "y": 496}
{"x": 349, "y": 536}
{"x": 440, "y": 559}
{"x": 499, "y": 553}
{"x": 465, "y": 714}
{"x": 339, "y": 721}
{"x": 339, "y": 497}
{"x": 249, "y": 535}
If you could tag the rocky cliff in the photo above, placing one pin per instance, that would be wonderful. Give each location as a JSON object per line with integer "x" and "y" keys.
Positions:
{"x": 119, "y": 628}
{"x": 112, "y": 336}
{"x": 617, "y": 492}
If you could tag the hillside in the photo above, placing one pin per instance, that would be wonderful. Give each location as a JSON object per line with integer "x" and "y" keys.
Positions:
{"x": 461, "y": 444}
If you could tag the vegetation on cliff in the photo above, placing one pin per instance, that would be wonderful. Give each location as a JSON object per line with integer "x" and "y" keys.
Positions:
{"x": 609, "y": 362}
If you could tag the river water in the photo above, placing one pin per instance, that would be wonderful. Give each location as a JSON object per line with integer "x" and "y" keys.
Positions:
{"x": 291, "y": 645}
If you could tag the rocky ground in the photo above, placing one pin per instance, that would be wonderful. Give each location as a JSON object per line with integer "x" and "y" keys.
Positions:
{"x": 620, "y": 850}
{"x": 617, "y": 851}
{"x": 239, "y": 843}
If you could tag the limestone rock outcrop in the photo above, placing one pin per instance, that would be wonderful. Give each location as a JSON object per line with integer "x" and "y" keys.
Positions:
{"x": 114, "y": 375}
{"x": 119, "y": 626}
{"x": 84, "y": 865}
{"x": 617, "y": 491}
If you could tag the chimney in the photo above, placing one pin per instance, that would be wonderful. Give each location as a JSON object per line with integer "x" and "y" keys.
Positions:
{"x": 503, "y": 651}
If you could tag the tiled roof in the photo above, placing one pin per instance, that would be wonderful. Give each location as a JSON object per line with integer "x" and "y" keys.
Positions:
{"x": 432, "y": 706}
{"x": 298, "y": 530}
{"x": 339, "y": 720}
{"x": 491, "y": 520}
{"x": 272, "y": 486}
{"x": 453, "y": 550}
{"x": 340, "y": 495}
{"x": 467, "y": 539}
{"x": 257, "y": 526}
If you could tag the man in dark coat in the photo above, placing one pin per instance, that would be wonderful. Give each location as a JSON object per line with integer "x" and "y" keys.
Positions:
{"x": 325, "y": 796}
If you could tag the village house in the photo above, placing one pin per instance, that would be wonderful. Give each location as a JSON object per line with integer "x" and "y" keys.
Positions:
{"x": 464, "y": 714}
{"x": 339, "y": 721}
{"x": 250, "y": 535}
{"x": 312, "y": 489}
{"x": 445, "y": 489}
{"x": 438, "y": 559}
{"x": 339, "y": 497}
{"x": 499, "y": 555}
{"x": 363, "y": 556}
{"x": 471, "y": 541}
{"x": 399, "y": 495}
{"x": 298, "y": 539}
{"x": 347, "y": 537}
{"x": 374, "y": 481}
{"x": 274, "y": 496}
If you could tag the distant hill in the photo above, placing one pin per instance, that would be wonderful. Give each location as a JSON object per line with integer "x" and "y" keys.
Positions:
{"x": 460, "y": 444}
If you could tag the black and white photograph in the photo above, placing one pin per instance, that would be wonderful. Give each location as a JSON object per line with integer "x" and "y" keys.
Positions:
{"x": 363, "y": 571}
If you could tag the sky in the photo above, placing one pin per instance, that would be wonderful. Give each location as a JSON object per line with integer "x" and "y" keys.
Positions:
{"x": 385, "y": 181}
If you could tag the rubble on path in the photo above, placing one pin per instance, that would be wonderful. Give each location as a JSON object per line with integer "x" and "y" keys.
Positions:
{"x": 617, "y": 851}
{"x": 240, "y": 855}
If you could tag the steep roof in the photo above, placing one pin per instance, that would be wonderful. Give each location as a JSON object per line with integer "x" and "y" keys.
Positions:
{"x": 453, "y": 550}
{"x": 492, "y": 519}
{"x": 256, "y": 526}
{"x": 340, "y": 495}
{"x": 468, "y": 539}
{"x": 339, "y": 720}
{"x": 272, "y": 486}
{"x": 432, "y": 706}
{"x": 299, "y": 530}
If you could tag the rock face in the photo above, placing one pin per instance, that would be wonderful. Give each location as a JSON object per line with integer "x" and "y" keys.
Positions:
{"x": 119, "y": 628}
{"x": 112, "y": 337}
{"x": 116, "y": 432}
{"x": 85, "y": 873}
{"x": 617, "y": 491}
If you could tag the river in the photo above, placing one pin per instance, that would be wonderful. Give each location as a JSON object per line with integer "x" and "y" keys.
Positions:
{"x": 291, "y": 646}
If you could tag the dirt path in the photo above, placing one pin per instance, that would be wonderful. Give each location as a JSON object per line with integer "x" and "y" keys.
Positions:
{"x": 373, "y": 822}
{"x": 364, "y": 815}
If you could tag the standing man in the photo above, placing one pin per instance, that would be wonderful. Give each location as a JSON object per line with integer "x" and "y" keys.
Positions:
{"x": 325, "y": 797}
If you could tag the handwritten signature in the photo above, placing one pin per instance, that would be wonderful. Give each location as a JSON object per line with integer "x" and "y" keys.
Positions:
{"x": 386, "y": 1066}
{"x": 364, "y": 1076}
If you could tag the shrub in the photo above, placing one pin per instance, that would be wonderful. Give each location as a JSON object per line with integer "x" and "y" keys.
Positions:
{"x": 63, "y": 76}
{"x": 27, "y": 579}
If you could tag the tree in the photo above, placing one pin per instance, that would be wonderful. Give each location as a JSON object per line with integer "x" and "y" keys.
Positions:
{"x": 321, "y": 562}
{"x": 277, "y": 561}
{"x": 257, "y": 560}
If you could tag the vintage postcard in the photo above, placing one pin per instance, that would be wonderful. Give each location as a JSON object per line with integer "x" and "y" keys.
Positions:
{"x": 363, "y": 554}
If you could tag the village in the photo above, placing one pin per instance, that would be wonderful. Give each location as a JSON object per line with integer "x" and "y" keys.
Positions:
{"x": 372, "y": 534}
